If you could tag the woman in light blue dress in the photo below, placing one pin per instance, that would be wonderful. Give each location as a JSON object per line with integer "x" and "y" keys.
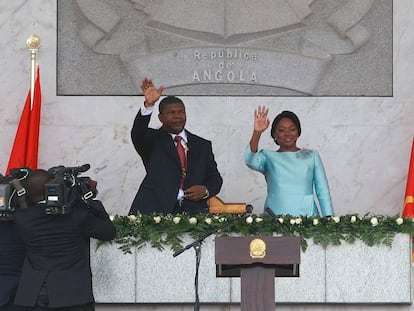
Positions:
{"x": 293, "y": 175}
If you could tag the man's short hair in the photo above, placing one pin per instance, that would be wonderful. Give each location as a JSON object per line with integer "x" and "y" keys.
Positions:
{"x": 167, "y": 101}
{"x": 35, "y": 184}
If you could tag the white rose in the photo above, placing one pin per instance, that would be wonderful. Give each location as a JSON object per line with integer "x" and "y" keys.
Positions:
{"x": 258, "y": 219}
{"x": 176, "y": 219}
{"x": 157, "y": 219}
{"x": 249, "y": 219}
{"x": 298, "y": 221}
{"x": 280, "y": 220}
{"x": 292, "y": 221}
{"x": 111, "y": 217}
{"x": 399, "y": 221}
{"x": 315, "y": 221}
{"x": 336, "y": 219}
{"x": 208, "y": 221}
{"x": 353, "y": 219}
{"x": 132, "y": 217}
{"x": 374, "y": 221}
{"x": 222, "y": 219}
{"x": 193, "y": 220}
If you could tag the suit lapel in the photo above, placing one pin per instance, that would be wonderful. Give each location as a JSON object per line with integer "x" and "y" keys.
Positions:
{"x": 168, "y": 145}
{"x": 193, "y": 151}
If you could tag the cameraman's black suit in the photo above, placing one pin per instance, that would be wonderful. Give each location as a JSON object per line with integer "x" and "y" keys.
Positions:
{"x": 11, "y": 262}
{"x": 56, "y": 272}
{"x": 158, "y": 191}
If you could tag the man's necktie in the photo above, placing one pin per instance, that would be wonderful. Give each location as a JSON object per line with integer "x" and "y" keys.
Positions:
{"x": 181, "y": 154}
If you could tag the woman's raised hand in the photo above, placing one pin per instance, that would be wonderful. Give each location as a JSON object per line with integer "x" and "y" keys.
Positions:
{"x": 261, "y": 122}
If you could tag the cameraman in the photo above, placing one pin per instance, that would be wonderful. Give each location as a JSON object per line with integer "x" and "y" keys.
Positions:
{"x": 56, "y": 273}
{"x": 11, "y": 254}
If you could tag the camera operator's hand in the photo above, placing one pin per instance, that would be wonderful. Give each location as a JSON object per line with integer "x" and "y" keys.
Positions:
{"x": 92, "y": 186}
{"x": 95, "y": 206}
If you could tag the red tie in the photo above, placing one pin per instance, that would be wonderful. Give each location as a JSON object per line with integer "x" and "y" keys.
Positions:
{"x": 181, "y": 154}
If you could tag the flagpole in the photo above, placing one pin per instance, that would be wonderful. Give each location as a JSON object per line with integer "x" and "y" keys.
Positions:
{"x": 33, "y": 44}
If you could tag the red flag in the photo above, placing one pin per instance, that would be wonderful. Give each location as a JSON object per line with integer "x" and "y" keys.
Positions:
{"x": 25, "y": 147}
{"x": 408, "y": 210}
{"x": 34, "y": 126}
{"x": 18, "y": 153}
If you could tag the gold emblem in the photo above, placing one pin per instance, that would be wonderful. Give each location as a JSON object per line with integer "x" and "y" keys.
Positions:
{"x": 257, "y": 248}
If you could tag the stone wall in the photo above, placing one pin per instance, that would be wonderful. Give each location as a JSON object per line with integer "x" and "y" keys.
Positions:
{"x": 364, "y": 142}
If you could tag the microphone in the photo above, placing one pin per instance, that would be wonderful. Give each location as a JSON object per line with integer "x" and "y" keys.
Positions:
{"x": 249, "y": 209}
{"x": 270, "y": 212}
{"x": 83, "y": 168}
{"x": 274, "y": 216}
{"x": 76, "y": 170}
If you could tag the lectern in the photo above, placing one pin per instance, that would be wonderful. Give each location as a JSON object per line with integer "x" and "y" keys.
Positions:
{"x": 257, "y": 260}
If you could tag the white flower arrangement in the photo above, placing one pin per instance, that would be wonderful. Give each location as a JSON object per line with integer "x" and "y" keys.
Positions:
{"x": 168, "y": 230}
{"x": 336, "y": 219}
{"x": 132, "y": 217}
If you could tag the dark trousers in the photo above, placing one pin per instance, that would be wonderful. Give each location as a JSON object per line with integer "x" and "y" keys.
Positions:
{"x": 43, "y": 304}
{"x": 8, "y": 286}
{"x": 12, "y": 307}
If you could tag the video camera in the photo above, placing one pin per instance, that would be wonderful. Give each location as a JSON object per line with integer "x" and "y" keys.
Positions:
{"x": 62, "y": 191}
{"x": 12, "y": 193}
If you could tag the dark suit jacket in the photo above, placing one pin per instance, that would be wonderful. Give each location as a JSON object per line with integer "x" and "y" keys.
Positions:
{"x": 11, "y": 262}
{"x": 159, "y": 189}
{"x": 57, "y": 254}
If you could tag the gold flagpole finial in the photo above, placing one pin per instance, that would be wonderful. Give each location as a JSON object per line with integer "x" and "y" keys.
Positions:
{"x": 33, "y": 44}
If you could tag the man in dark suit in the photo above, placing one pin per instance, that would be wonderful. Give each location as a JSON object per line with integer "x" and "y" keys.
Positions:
{"x": 11, "y": 253}
{"x": 56, "y": 272}
{"x": 169, "y": 187}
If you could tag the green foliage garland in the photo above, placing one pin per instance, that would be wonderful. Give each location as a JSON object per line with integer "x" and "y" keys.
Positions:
{"x": 162, "y": 231}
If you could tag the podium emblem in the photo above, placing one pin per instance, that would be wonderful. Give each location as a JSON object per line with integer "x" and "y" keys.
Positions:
{"x": 257, "y": 248}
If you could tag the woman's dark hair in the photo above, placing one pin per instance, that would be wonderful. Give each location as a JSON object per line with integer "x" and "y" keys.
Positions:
{"x": 169, "y": 100}
{"x": 285, "y": 114}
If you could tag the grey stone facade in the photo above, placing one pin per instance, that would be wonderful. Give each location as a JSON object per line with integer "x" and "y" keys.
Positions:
{"x": 226, "y": 47}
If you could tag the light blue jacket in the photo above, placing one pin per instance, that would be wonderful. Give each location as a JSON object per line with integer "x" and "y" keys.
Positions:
{"x": 292, "y": 179}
